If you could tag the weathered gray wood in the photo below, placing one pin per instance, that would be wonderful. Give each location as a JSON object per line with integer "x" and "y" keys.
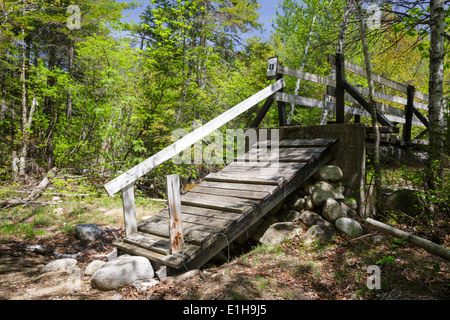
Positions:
{"x": 248, "y": 220}
{"x": 150, "y": 242}
{"x": 174, "y": 207}
{"x": 381, "y": 118}
{"x": 240, "y": 186}
{"x": 264, "y": 165}
{"x": 129, "y": 210}
{"x": 218, "y": 202}
{"x": 240, "y": 179}
{"x": 305, "y": 76}
{"x": 207, "y": 212}
{"x": 377, "y": 78}
{"x": 252, "y": 195}
{"x": 201, "y": 220}
{"x": 340, "y": 89}
{"x": 260, "y": 171}
{"x": 192, "y": 233}
{"x": 144, "y": 167}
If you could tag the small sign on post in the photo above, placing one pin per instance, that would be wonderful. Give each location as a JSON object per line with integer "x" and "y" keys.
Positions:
{"x": 272, "y": 68}
{"x": 174, "y": 205}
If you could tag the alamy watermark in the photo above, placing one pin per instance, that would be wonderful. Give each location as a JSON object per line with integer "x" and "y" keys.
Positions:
{"x": 374, "y": 280}
{"x": 251, "y": 147}
{"x": 74, "y": 21}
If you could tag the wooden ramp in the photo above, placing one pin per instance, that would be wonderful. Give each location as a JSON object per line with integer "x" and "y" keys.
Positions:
{"x": 228, "y": 202}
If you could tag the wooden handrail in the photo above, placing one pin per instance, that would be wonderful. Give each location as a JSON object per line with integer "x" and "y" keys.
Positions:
{"x": 128, "y": 178}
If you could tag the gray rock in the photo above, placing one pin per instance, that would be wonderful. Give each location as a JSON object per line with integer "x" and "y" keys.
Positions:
{"x": 288, "y": 215}
{"x": 349, "y": 212}
{"x": 323, "y": 191}
{"x": 403, "y": 200}
{"x": 329, "y": 173}
{"x": 309, "y": 205}
{"x": 351, "y": 202}
{"x": 263, "y": 227}
{"x": 279, "y": 231}
{"x": 298, "y": 205}
{"x": 311, "y": 218}
{"x": 121, "y": 272}
{"x": 332, "y": 210}
{"x": 142, "y": 285}
{"x": 308, "y": 189}
{"x": 93, "y": 267}
{"x": 318, "y": 233}
{"x": 66, "y": 264}
{"x": 88, "y": 232}
{"x": 349, "y": 226}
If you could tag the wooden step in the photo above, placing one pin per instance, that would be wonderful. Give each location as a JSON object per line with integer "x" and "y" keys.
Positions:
{"x": 193, "y": 233}
{"x": 252, "y": 195}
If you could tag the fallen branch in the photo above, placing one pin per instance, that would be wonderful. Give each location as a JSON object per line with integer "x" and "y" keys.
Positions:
{"x": 33, "y": 195}
{"x": 428, "y": 245}
{"x": 41, "y": 187}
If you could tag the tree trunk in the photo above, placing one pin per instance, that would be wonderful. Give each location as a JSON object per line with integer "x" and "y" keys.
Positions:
{"x": 339, "y": 49}
{"x": 23, "y": 152}
{"x": 436, "y": 95}
{"x": 69, "y": 95}
{"x": 305, "y": 53}
{"x": 365, "y": 48}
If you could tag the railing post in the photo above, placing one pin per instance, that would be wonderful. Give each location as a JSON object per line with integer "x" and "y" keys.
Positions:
{"x": 129, "y": 210}
{"x": 408, "y": 114}
{"x": 281, "y": 107}
{"x": 174, "y": 205}
{"x": 340, "y": 76}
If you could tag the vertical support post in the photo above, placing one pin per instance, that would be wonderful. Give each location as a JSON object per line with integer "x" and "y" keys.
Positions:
{"x": 281, "y": 107}
{"x": 129, "y": 210}
{"x": 340, "y": 76}
{"x": 175, "y": 222}
{"x": 408, "y": 114}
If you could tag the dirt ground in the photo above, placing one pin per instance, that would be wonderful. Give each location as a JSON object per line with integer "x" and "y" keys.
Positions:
{"x": 286, "y": 272}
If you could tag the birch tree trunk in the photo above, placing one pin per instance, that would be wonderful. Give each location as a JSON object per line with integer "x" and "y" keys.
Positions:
{"x": 339, "y": 49}
{"x": 365, "y": 48}
{"x": 436, "y": 94}
{"x": 23, "y": 152}
{"x": 305, "y": 53}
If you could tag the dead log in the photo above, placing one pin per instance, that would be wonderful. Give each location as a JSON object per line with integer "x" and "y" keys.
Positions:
{"x": 33, "y": 195}
{"x": 41, "y": 187}
{"x": 428, "y": 245}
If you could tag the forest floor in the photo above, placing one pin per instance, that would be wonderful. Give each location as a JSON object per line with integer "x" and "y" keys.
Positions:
{"x": 290, "y": 271}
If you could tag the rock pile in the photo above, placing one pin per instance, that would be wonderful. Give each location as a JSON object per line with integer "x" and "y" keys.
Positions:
{"x": 319, "y": 203}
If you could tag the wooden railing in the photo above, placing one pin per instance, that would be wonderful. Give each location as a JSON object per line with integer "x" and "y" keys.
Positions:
{"x": 125, "y": 181}
{"x": 342, "y": 90}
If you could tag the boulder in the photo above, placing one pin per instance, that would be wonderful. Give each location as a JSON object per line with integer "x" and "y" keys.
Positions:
{"x": 122, "y": 272}
{"x": 311, "y": 218}
{"x": 309, "y": 205}
{"x": 323, "y": 191}
{"x": 318, "y": 233}
{"x": 349, "y": 226}
{"x": 351, "y": 202}
{"x": 88, "y": 232}
{"x": 93, "y": 267}
{"x": 298, "y": 205}
{"x": 349, "y": 212}
{"x": 279, "y": 231}
{"x": 288, "y": 215}
{"x": 263, "y": 228}
{"x": 329, "y": 173}
{"x": 332, "y": 210}
{"x": 403, "y": 200}
{"x": 66, "y": 264}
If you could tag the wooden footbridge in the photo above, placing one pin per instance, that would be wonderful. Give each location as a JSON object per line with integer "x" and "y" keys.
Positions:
{"x": 225, "y": 204}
